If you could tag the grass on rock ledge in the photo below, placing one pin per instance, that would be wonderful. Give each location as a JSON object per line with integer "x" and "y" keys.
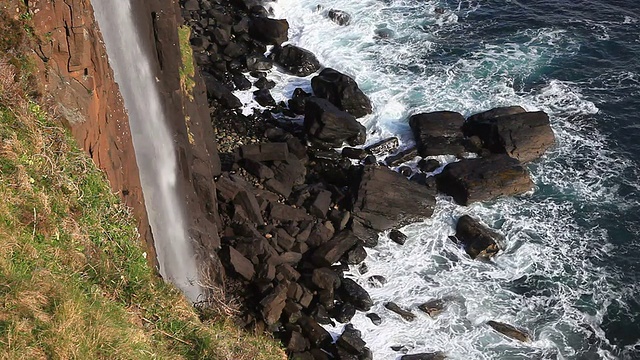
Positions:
{"x": 74, "y": 282}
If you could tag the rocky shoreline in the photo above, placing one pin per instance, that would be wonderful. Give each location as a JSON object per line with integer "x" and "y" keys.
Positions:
{"x": 295, "y": 213}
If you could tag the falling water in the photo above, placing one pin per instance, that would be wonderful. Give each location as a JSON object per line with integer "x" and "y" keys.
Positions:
{"x": 152, "y": 142}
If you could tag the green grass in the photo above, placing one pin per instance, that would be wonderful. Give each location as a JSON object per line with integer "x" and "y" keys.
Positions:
{"x": 187, "y": 70}
{"x": 74, "y": 281}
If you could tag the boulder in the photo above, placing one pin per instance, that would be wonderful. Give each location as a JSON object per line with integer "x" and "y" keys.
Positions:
{"x": 264, "y": 98}
{"x": 273, "y": 304}
{"x": 325, "y": 278}
{"x": 249, "y": 204}
{"x": 481, "y": 179}
{"x": 354, "y": 153}
{"x": 265, "y": 152}
{"x": 375, "y": 318}
{"x": 428, "y": 165}
{"x": 354, "y": 294}
{"x": 523, "y": 136}
{"x": 424, "y": 356}
{"x": 330, "y": 252}
{"x": 478, "y": 240}
{"x": 325, "y": 122}
{"x": 496, "y": 112}
{"x": 296, "y": 342}
{"x": 342, "y": 91}
{"x": 380, "y": 206}
{"x": 344, "y": 312}
{"x": 407, "y": 315}
{"x": 351, "y": 340}
{"x": 258, "y": 62}
{"x": 314, "y": 332}
{"x": 432, "y": 307}
{"x": 403, "y": 156}
{"x": 240, "y": 264}
{"x": 296, "y": 60}
{"x": 217, "y": 90}
{"x": 438, "y": 133}
{"x": 269, "y": 31}
{"x": 398, "y": 237}
{"x": 321, "y": 204}
{"x": 510, "y": 331}
{"x": 339, "y": 17}
{"x": 384, "y": 146}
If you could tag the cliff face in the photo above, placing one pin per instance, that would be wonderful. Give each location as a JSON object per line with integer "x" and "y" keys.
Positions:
{"x": 75, "y": 76}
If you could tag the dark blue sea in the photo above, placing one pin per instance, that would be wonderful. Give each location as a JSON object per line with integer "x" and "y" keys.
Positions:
{"x": 570, "y": 270}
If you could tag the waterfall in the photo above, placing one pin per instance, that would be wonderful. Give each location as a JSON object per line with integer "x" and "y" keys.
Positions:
{"x": 153, "y": 144}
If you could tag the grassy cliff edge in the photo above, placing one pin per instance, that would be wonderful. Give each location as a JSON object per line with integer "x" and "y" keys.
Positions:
{"x": 74, "y": 282}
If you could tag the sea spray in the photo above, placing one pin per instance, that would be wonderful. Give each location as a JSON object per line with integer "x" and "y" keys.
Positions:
{"x": 155, "y": 153}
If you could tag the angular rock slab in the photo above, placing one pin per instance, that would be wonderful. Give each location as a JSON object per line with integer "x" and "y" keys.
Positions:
{"x": 477, "y": 239}
{"x": 325, "y": 122}
{"x": 342, "y": 91}
{"x": 482, "y": 179}
{"x": 386, "y": 199}
{"x": 523, "y": 136}
{"x": 438, "y": 133}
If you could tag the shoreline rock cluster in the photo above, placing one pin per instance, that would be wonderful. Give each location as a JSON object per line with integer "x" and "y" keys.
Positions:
{"x": 295, "y": 213}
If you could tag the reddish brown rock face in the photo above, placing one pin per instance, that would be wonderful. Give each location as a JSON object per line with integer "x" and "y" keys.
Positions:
{"x": 77, "y": 82}
{"x": 76, "y": 78}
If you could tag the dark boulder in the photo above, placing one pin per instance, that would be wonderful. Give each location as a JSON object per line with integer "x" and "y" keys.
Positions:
{"x": 264, "y": 98}
{"x": 314, "y": 332}
{"x": 339, "y": 17}
{"x": 354, "y": 294}
{"x": 296, "y": 60}
{"x": 265, "y": 152}
{"x": 257, "y": 62}
{"x": 298, "y": 101}
{"x": 477, "y": 239}
{"x": 523, "y": 136}
{"x": 325, "y": 279}
{"x": 424, "y": 356}
{"x": 354, "y": 153}
{"x": 342, "y": 91}
{"x": 269, "y": 31}
{"x": 344, "y": 312}
{"x": 510, "y": 331}
{"x": 295, "y": 342}
{"x": 481, "y": 179}
{"x": 383, "y": 147}
{"x": 238, "y": 263}
{"x": 438, "y": 133}
{"x": 330, "y": 252}
{"x": 380, "y": 206}
{"x": 496, "y": 112}
{"x": 433, "y": 307}
{"x": 375, "y": 318}
{"x": 428, "y": 165}
{"x": 351, "y": 340}
{"x": 217, "y": 90}
{"x": 273, "y": 304}
{"x": 325, "y": 122}
{"x": 398, "y": 237}
{"x": 403, "y": 156}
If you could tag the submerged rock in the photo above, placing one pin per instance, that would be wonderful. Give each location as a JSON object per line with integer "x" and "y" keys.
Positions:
{"x": 339, "y": 17}
{"x": 510, "y": 331}
{"x": 406, "y": 314}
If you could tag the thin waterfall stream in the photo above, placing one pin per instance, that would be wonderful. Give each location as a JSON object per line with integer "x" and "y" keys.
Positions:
{"x": 153, "y": 144}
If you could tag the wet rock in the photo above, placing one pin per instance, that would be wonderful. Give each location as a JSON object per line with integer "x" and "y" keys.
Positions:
{"x": 298, "y": 101}
{"x": 428, "y": 165}
{"x": 424, "y": 356}
{"x": 381, "y": 207}
{"x": 383, "y": 33}
{"x": 383, "y": 146}
{"x": 241, "y": 82}
{"x": 342, "y": 91}
{"x": 496, "y": 112}
{"x": 256, "y": 62}
{"x": 375, "y": 318}
{"x": 264, "y": 83}
{"x": 264, "y": 98}
{"x": 376, "y": 281}
{"x": 353, "y": 293}
{"x": 325, "y": 122}
{"x": 406, "y": 171}
{"x": 356, "y": 255}
{"x": 398, "y": 237}
{"x": 238, "y": 263}
{"x": 438, "y": 133}
{"x": 332, "y": 251}
{"x": 351, "y": 340}
{"x": 481, "y": 179}
{"x": 433, "y": 307}
{"x": 477, "y": 239}
{"x": 295, "y": 60}
{"x": 270, "y": 31}
{"x": 344, "y": 313}
{"x": 407, "y": 315}
{"x": 510, "y": 331}
{"x": 369, "y": 160}
{"x": 523, "y": 136}
{"x": 339, "y": 17}
{"x": 403, "y": 156}
{"x": 354, "y": 153}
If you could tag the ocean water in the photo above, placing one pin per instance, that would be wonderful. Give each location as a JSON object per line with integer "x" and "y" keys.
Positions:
{"x": 569, "y": 272}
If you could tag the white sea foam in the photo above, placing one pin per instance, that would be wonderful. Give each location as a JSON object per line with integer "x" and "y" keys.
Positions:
{"x": 550, "y": 278}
